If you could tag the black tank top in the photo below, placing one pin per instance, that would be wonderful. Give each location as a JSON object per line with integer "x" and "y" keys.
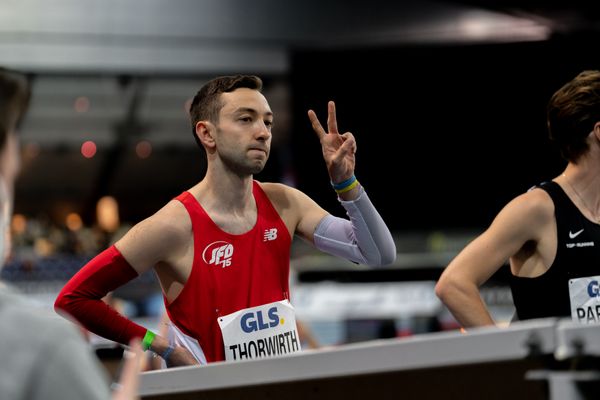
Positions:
{"x": 577, "y": 255}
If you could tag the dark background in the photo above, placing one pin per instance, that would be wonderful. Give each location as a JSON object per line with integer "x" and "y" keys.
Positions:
{"x": 448, "y": 129}
{"x": 446, "y": 134}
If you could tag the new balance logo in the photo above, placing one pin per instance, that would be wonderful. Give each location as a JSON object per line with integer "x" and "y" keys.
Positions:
{"x": 574, "y": 235}
{"x": 220, "y": 253}
{"x": 270, "y": 234}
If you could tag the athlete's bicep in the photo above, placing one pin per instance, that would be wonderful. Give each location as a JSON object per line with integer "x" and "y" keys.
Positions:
{"x": 521, "y": 221}
{"x": 525, "y": 219}
{"x": 298, "y": 211}
{"x": 309, "y": 215}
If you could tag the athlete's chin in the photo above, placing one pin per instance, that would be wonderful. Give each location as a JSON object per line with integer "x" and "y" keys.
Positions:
{"x": 258, "y": 164}
{"x": 257, "y": 168}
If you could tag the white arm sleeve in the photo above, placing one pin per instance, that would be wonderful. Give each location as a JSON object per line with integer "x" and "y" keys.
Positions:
{"x": 364, "y": 239}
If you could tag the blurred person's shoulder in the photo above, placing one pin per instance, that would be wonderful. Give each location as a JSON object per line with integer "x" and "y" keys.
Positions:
{"x": 45, "y": 348}
{"x": 10, "y": 296}
{"x": 26, "y": 319}
{"x": 16, "y": 307}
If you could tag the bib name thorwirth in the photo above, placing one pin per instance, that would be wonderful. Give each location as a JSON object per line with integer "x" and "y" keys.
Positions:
{"x": 282, "y": 343}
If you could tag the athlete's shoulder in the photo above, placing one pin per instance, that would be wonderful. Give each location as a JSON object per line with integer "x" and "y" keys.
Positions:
{"x": 535, "y": 203}
{"x": 281, "y": 193}
{"x": 277, "y": 191}
{"x": 546, "y": 186}
{"x": 172, "y": 218}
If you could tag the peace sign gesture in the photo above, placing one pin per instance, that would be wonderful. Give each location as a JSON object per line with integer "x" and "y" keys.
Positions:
{"x": 338, "y": 150}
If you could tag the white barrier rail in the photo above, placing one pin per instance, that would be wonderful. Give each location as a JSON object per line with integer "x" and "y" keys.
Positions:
{"x": 484, "y": 363}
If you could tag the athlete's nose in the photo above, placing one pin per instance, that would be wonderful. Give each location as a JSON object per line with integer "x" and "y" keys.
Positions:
{"x": 264, "y": 131}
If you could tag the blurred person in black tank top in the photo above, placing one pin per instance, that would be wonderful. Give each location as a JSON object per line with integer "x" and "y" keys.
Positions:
{"x": 550, "y": 235}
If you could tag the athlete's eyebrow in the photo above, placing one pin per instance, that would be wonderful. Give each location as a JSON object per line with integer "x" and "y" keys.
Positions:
{"x": 252, "y": 111}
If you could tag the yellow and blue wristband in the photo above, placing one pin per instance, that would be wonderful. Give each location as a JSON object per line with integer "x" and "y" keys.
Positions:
{"x": 345, "y": 186}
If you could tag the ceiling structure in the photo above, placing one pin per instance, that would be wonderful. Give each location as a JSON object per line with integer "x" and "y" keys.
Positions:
{"x": 208, "y": 36}
{"x": 90, "y": 49}
{"x": 118, "y": 72}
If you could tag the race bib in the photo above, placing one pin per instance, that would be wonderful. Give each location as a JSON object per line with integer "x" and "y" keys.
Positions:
{"x": 264, "y": 331}
{"x": 585, "y": 299}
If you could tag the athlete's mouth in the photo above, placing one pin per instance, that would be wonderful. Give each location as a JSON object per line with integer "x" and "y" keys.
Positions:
{"x": 259, "y": 149}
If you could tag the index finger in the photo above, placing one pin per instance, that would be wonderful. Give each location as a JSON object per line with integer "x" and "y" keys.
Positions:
{"x": 316, "y": 125}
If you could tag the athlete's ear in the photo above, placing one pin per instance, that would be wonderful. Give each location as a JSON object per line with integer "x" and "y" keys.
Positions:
{"x": 597, "y": 130}
{"x": 204, "y": 132}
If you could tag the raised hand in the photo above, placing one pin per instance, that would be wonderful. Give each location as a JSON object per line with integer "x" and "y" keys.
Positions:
{"x": 338, "y": 150}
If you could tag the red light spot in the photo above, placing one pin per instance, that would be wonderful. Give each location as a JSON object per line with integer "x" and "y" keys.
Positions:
{"x": 143, "y": 149}
{"x": 88, "y": 149}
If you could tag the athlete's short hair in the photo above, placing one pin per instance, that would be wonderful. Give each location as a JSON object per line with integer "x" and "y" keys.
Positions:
{"x": 207, "y": 103}
{"x": 572, "y": 112}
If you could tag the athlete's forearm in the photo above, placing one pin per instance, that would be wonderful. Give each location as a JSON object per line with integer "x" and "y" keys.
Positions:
{"x": 365, "y": 238}
{"x": 82, "y": 296}
{"x": 466, "y": 305}
{"x": 472, "y": 314}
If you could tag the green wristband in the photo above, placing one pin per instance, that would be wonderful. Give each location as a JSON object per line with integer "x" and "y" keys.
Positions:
{"x": 148, "y": 339}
